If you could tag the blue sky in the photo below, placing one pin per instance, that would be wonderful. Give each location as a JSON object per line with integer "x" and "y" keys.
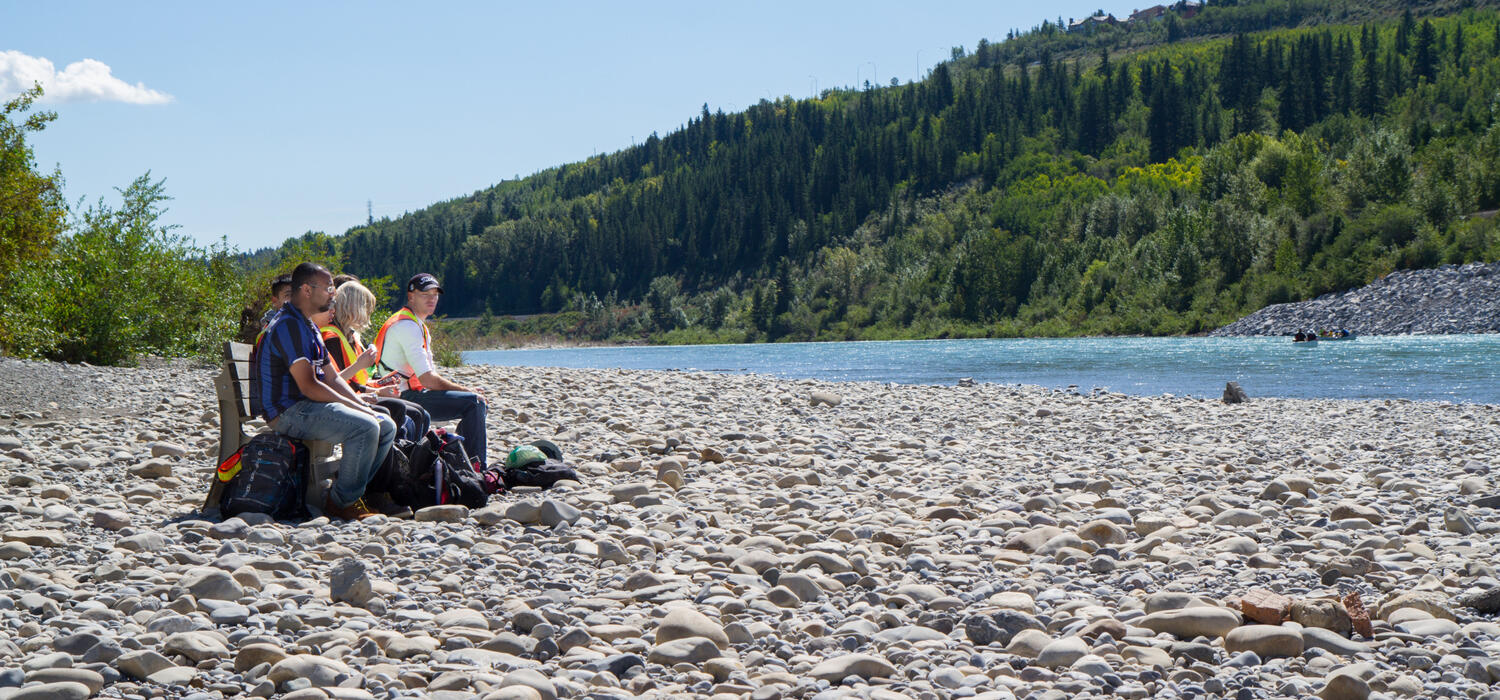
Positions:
{"x": 271, "y": 119}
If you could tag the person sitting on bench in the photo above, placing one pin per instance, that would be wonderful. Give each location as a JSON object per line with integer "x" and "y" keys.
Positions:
{"x": 404, "y": 347}
{"x": 341, "y": 326}
{"x": 301, "y": 399}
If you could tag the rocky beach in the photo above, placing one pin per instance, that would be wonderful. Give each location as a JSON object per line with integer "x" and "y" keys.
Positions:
{"x": 1445, "y": 299}
{"x": 738, "y": 535}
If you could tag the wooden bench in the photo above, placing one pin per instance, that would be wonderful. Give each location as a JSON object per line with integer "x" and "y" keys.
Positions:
{"x": 232, "y": 386}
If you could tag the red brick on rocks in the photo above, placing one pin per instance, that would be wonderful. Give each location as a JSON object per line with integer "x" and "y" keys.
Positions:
{"x": 1358, "y": 615}
{"x": 1265, "y": 607}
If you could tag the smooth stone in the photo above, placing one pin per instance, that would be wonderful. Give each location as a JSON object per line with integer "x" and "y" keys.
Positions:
{"x": 319, "y": 671}
{"x": 197, "y": 646}
{"x": 348, "y": 582}
{"x": 864, "y": 666}
{"x": 1187, "y": 623}
{"x": 531, "y": 679}
{"x": 89, "y": 679}
{"x": 52, "y": 691}
{"x": 442, "y": 514}
{"x": 252, "y": 655}
{"x": 1330, "y": 641}
{"x": 552, "y": 513}
{"x": 1062, "y": 652}
{"x": 682, "y": 623}
{"x": 1267, "y": 641}
{"x": 142, "y": 664}
{"x": 211, "y": 584}
{"x": 690, "y": 650}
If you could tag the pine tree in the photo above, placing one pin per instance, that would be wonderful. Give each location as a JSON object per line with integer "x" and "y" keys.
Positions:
{"x": 1425, "y": 62}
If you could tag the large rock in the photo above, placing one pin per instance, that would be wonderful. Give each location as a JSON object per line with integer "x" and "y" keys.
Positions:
{"x": 442, "y": 514}
{"x": 554, "y": 512}
{"x": 825, "y": 398}
{"x": 1326, "y": 614}
{"x": 348, "y": 583}
{"x": 321, "y": 672}
{"x": 142, "y": 663}
{"x": 37, "y": 538}
{"x": 66, "y": 690}
{"x": 682, "y": 623}
{"x": 1267, "y": 641}
{"x": 210, "y": 584}
{"x": 1062, "y": 653}
{"x": 1434, "y": 604}
{"x": 252, "y": 655}
{"x": 689, "y": 650}
{"x": 196, "y": 645}
{"x": 1187, "y": 623}
{"x": 863, "y": 666}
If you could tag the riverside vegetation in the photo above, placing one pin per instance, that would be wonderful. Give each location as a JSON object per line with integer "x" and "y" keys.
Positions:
{"x": 1157, "y": 178}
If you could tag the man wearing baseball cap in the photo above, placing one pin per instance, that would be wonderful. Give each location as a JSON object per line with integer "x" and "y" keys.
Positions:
{"x": 404, "y": 347}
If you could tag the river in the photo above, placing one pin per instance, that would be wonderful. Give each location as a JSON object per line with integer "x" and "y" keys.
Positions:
{"x": 1458, "y": 368}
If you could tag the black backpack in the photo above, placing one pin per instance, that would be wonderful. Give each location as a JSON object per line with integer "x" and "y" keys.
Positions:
{"x": 540, "y": 474}
{"x": 440, "y": 473}
{"x": 395, "y": 472}
{"x": 267, "y": 475}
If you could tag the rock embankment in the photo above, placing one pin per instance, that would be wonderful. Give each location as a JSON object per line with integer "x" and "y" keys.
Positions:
{"x": 1447, "y": 299}
{"x": 740, "y": 536}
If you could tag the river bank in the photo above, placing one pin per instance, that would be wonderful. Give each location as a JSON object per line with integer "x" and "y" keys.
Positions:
{"x": 741, "y": 535}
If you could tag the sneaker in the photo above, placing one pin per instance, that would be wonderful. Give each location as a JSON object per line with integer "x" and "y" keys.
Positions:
{"x": 383, "y": 503}
{"x": 357, "y": 510}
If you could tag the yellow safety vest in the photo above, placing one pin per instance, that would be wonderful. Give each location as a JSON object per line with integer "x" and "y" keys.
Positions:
{"x": 350, "y": 352}
{"x": 404, "y": 314}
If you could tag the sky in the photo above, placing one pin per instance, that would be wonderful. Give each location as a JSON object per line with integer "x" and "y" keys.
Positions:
{"x": 267, "y": 120}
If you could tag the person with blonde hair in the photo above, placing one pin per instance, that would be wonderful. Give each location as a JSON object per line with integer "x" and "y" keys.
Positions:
{"x": 352, "y": 305}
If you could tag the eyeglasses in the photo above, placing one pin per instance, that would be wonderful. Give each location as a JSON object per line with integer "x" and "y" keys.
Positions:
{"x": 330, "y": 288}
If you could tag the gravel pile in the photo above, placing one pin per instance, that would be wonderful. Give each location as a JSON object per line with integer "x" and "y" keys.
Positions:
{"x": 1447, "y": 299}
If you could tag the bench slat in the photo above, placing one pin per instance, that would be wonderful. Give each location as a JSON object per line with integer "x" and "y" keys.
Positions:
{"x": 238, "y": 352}
{"x": 239, "y": 370}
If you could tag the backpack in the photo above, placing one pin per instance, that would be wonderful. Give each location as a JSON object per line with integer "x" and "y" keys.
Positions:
{"x": 542, "y": 474}
{"x": 440, "y": 473}
{"x": 395, "y": 471}
{"x": 267, "y": 475}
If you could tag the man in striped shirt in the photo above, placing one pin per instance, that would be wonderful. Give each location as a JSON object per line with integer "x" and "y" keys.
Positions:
{"x": 300, "y": 400}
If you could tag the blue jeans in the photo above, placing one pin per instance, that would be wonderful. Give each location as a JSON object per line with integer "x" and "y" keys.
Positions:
{"x": 463, "y": 405}
{"x": 366, "y": 440}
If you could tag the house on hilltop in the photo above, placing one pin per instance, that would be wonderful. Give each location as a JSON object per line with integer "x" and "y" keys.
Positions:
{"x": 1092, "y": 22}
{"x": 1185, "y": 9}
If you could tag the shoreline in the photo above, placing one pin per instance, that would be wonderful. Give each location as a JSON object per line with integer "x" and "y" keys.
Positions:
{"x": 735, "y": 534}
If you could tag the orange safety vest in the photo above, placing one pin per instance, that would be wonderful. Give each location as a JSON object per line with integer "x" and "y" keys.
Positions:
{"x": 404, "y": 314}
{"x": 349, "y": 351}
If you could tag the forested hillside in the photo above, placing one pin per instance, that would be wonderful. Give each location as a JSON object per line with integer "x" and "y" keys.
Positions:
{"x": 1161, "y": 177}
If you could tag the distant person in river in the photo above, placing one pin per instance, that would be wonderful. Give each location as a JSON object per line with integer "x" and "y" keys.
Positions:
{"x": 301, "y": 399}
{"x": 281, "y": 293}
{"x": 405, "y": 349}
{"x": 341, "y": 327}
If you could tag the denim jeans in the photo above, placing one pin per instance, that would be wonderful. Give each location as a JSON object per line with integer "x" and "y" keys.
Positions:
{"x": 466, "y": 407}
{"x": 366, "y": 440}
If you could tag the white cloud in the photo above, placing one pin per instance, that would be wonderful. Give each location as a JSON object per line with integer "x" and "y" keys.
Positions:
{"x": 81, "y": 81}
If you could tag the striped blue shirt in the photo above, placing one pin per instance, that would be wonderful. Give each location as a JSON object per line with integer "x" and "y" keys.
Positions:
{"x": 290, "y": 337}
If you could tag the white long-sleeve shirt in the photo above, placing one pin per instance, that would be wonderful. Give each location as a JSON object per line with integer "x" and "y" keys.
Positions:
{"x": 404, "y": 353}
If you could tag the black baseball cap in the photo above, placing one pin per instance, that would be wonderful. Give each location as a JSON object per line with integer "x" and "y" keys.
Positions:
{"x": 423, "y": 282}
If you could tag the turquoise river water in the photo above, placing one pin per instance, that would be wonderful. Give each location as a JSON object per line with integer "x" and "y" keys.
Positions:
{"x": 1458, "y": 368}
